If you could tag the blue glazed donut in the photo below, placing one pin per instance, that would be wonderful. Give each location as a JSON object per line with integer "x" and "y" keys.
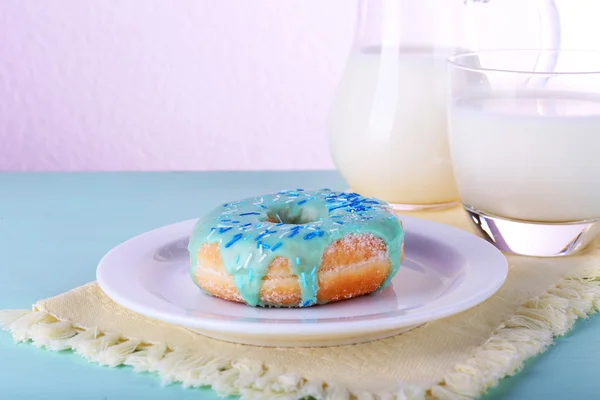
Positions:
{"x": 296, "y": 248}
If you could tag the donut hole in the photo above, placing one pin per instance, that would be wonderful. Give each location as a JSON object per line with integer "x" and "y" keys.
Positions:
{"x": 296, "y": 215}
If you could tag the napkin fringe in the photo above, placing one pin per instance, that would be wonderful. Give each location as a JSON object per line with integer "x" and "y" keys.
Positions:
{"x": 525, "y": 334}
{"x": 248, "y": 378}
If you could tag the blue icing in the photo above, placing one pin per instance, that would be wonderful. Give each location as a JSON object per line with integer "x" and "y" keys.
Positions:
{"x": 296, "y": 224}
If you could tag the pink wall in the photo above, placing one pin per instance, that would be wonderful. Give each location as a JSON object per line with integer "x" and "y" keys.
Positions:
{"x": 180, "y": 84}
{"x": 154, "y": 84}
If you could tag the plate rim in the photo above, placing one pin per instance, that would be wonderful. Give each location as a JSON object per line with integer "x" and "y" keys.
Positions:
{"x": 249, "y": 327}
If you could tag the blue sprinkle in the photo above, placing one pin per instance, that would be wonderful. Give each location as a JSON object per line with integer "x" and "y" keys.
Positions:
{"x": 235, "y": 238}
{"x": 269, "y": 231}
{"x": 280, "y": 224}
{"x": 263, "y": 245}
{"x": 261, "y": 206}
{"x": 370, "y": 202}
{"x": 299, "y": 190}
{"x": 297, "y": 260}
{"x": 261, "y": 235}
{"x": 306, "y": 303}
{"x": 225, "y": 220}
{"x": 258, "y": 225}
{"x": 237, "y": 259}
{"x": 309, "y": 236}
{"x": 223, "y": 230}
{"x": 245, "y": 225}
{"x": 249, "y": 274}
{"x": 212, "y": 229}
{"x": 249, "y": 213}
{"x": 319, "y": 233}
{"x": 304, "y": 282}
{"x": 235, "y": 222}
{"x": 294, "y": 233}
{"x": 278, "y": 245}
{"x": 225, "y": 205}
{"x": 302, "y": 202}
{"x": 293, "y": 194}
{"x": 339, "y": 222}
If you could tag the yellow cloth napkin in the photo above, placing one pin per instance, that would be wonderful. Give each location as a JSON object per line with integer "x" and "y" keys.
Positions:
{"x": 454, "y": 358}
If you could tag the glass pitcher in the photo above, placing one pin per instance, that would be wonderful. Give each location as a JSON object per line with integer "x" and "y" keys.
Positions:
{"x": 387, "y": 126}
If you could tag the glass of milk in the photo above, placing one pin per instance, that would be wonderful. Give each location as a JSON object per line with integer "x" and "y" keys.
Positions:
{"x": 525, "y": 146}
{"x": 387, "y": 129}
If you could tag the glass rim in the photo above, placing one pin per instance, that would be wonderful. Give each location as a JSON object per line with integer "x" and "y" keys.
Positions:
{"x": 454, "y": 61}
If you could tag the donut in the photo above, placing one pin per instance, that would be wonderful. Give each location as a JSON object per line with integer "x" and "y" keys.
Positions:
{"x": 296, "y": 248}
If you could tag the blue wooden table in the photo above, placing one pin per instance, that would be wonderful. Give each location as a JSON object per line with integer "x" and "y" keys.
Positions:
{"x": 55, "y": 227}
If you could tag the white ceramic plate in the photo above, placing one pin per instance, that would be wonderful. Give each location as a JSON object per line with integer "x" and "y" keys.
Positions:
{"x": 445, "y": 271}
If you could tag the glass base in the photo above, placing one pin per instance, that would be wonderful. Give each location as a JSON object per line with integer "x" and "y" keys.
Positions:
{"x": 534, "y": 238}
{"x": 420, "y": 207}
{"x": 424, "y": 207}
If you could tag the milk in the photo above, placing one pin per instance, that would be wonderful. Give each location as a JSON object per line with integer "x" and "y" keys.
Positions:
{"x": 535, "y": 157}
{"x": 388, "y": 132}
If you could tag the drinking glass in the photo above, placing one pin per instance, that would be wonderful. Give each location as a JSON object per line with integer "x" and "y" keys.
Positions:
{"x": 525, "y": 143}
